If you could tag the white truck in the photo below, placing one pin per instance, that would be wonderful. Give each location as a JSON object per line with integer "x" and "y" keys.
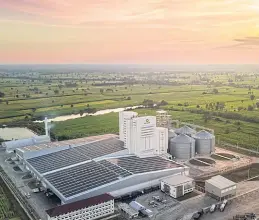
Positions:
{"x": 223, "y": 205}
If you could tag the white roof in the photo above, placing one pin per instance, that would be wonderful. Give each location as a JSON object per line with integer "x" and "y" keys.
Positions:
{"x": 27, "y": 142}
{"x": 220, "y": 182}
{"x": 177, "y": 180}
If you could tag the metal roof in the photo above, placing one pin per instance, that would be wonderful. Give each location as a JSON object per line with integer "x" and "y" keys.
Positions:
{"x": 73, "y": 142}
{"x": 177, "y": 180}
{"x": 220, "y": 182}
{"x": 182, "y": 138}
{"x": 203, "y": 135}
{"x": 185, "y": 130}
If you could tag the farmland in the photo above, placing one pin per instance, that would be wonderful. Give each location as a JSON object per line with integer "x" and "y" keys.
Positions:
{"x": 224, "y": 101}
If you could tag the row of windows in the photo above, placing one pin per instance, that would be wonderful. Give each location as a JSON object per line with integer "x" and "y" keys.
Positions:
{"x": 86, "y": 216}
{"x": 229, "y": 189}
{"x": 91, "y": 209}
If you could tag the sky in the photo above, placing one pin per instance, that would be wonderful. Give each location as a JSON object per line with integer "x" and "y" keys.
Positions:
{"x": 129, "y": 31}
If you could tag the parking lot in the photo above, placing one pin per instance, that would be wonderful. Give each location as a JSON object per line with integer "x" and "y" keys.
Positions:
{"x": 37, "y": 200}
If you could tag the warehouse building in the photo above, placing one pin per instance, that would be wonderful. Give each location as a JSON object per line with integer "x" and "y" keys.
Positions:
{"x": 79, "y": 169}
{"x": 220, "y": 187}
{"x": 92, "y": 208}
{"x": 177, "y": 185}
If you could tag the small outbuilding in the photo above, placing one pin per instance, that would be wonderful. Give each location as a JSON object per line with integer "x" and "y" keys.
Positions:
{"x": 220, "y": 187}
{"x": 177, "y": 185}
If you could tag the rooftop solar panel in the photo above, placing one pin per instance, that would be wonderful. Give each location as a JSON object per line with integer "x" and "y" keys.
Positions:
{"x": 120, "y": 171}
{"x": 141, "y": 165}
{"x": 81, "y": 178}
{"x": 57, "y": 160}
{"x": 74, "y": 155}
{"x": 101, "y": 148}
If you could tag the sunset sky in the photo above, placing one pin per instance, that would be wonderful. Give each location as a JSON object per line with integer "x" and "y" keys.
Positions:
{"x": 129, "y": 31}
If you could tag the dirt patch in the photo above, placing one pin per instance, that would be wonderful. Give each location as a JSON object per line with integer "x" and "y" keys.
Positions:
{"x": 216, "y": 157}
{"x": 207, "y": 160}
{"x": 230, "y": 156}
{"x": 198, "y": 163}
{"x": 243, "y": 173}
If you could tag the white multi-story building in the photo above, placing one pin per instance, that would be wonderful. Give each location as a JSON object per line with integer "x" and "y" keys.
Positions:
{"x": 124, "y": 117}
{"x": 141, "y": 136}
{"x": 162, "y": 140}
{"x": 88, "y": 209}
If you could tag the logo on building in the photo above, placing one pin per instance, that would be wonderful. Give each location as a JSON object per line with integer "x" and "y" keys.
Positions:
{"x": 147, "y": 121}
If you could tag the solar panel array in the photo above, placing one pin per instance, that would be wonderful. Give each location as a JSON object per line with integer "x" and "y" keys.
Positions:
{"x": 74, "y": 155}
{"x": 141, "y": 165}
{"x": 101, "y": 148}
{"x": 81, "y": 178}
{"x": 57, "y": 160}
{"x": 120, "y": 171}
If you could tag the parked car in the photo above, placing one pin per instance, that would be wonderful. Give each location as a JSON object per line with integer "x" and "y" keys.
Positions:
{"x": 213, "y": 208}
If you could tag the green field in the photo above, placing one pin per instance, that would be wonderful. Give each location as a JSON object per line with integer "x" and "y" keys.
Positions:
{"x": 224, "y": 101}
{"x": 8, "y": 209}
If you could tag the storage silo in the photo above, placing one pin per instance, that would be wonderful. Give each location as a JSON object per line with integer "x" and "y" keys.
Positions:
{"x": 182, "y": 147}
{"x": 185, "y": 130}
{"x": 171, "y": 134}
{"x": 205, "y": 142}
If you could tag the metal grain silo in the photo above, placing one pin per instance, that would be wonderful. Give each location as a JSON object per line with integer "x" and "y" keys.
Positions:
{"x": 185, "y": 130}
{"x": 171, "y": 134}
{"x": 204, "y": 142}
{"x": 182, "y": 147}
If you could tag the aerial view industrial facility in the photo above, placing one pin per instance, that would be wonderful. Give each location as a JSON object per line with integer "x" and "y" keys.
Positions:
{"x": 148, "y": 169}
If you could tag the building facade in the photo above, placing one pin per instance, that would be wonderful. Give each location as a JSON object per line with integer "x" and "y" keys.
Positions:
{"x": 220, "y": 187}
{"x": 162, "y": 140}
{"x": 177, "y": 185}
{"x": 89, "y": 209}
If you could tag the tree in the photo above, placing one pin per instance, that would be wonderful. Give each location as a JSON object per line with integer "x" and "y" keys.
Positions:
{"x": 2, "y": 95}
{"x": 81, "y": 112}
{"x": 252, "y": 97}
{"x": 250, "y": 108}
{"x": 87, "y": 105}
{"x": 56, "y": 91}
{"x": 101, "y": 91}
{"x": 129, "y": 98}
{"x": 71, "y": 105}
{"x": 215, "y": 91}
{"x": 7, "y": 102}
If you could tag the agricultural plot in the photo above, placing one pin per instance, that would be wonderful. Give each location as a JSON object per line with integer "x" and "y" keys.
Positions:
{"x": 7, "y": 211}
{"x": 225, "y": 102}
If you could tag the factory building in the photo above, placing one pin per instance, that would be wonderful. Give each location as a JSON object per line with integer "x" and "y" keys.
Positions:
{"x": 177, "y": 185}
{"x": 10, "y": 146}
{"x": 182, "y": 147}
{"x": 204, "y": 142}
{"x": 86, "y": 167}
{"x": 141, "y": 136}
{"x": 94, "y": 208}
{"x": 220, "y": 187}
{"x": 163, "y": 119}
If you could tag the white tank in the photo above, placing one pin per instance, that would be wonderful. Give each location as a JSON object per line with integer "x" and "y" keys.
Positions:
{"x": 185, "y": 130}
{"x": 204, "y": 142}
{"x": 182, "y": 147}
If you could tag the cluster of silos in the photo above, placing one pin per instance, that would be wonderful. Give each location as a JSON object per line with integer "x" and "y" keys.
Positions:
{"x": 185, "y": 143}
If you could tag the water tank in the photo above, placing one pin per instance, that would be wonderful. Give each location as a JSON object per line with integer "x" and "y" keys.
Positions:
{"x": 185, "y": 130}
{"x": 205, "y": 142}
{"x": 182, "y": 147}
